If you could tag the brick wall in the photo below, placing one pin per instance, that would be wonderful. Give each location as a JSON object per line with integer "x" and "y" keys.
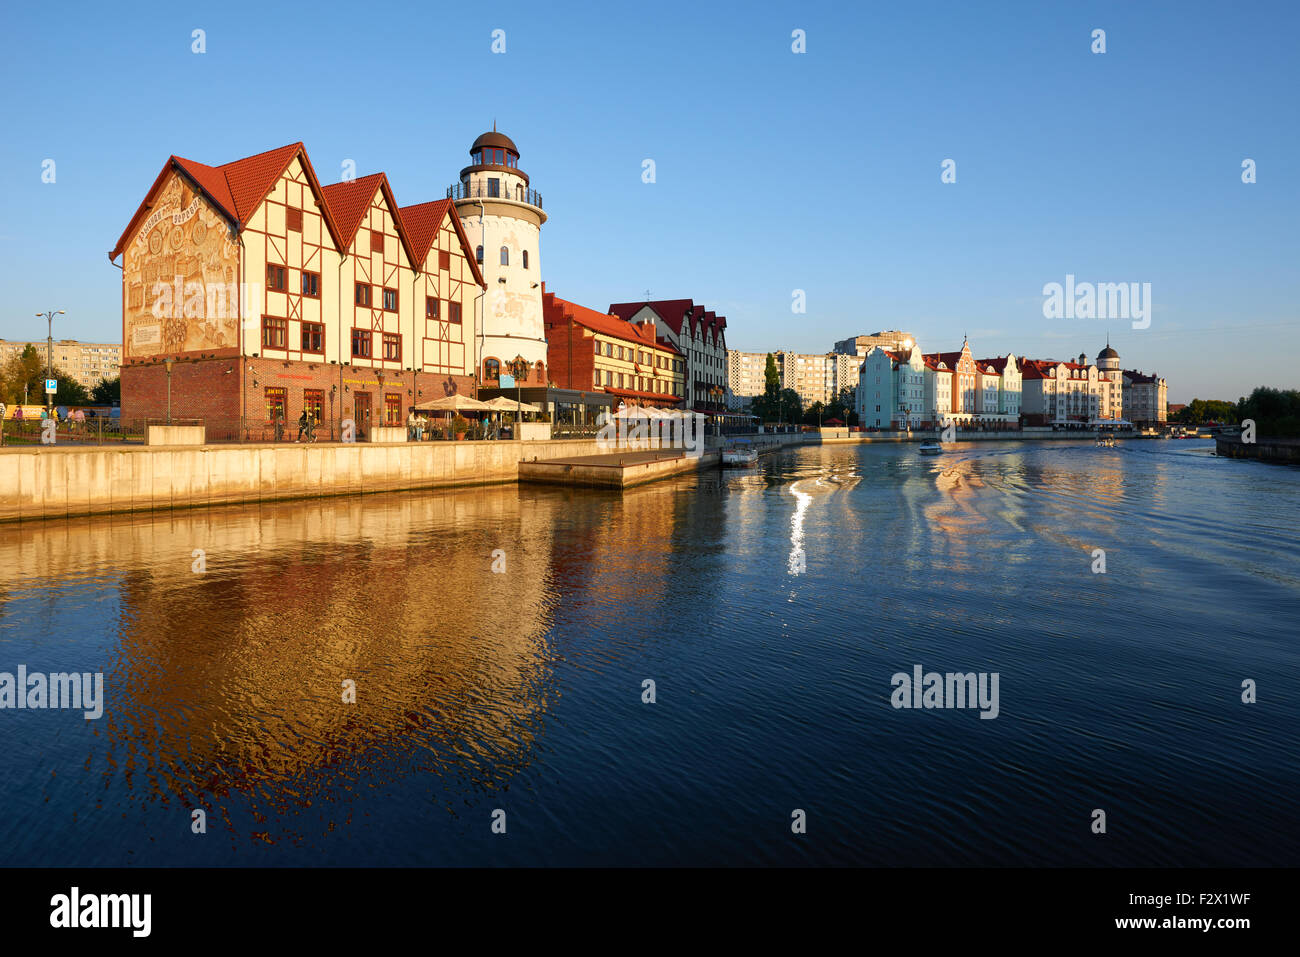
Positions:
{"x": 199, "y": 388}
{"x": 204, "y": 389}
{"x": 580, "y": 374}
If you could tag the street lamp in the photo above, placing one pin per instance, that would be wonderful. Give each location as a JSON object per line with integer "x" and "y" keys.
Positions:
{"x": 168, "y": 363}
{"x": 49, "y": 352}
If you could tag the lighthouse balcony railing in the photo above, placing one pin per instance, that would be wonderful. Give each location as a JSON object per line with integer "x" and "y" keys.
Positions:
{"x": 486, "y": 191}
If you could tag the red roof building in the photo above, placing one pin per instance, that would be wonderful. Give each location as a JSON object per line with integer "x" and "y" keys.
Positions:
{"x": 699, "y": 334}
{"x": 253, "y": 293}
{"x": 592, "y": 351}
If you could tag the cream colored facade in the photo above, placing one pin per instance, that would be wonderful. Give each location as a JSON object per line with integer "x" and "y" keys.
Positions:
{"x": 503, "y": 218}
{"x": 87, "y": 362}
{"x": 620, "y": 364}
{"x": 375, "y": 254}
{"x": 377, "y": 257}
{"x": 1146, "y": 399}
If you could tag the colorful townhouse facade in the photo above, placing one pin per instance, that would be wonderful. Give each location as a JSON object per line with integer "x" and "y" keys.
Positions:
{"x": 1076, "y": 394}
{"x": 891, "y": 391}
{"x": 910, "y": 389}
{"x": 251, "y": 292}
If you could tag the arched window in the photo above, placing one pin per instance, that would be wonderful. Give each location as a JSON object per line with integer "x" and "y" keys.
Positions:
{"x": 491, "y": 369}
{"x": 505, "y": 255}
{"x": 541, "y": 372}
{"x": 525, "y": 258}
{"x": 478, "y": 254}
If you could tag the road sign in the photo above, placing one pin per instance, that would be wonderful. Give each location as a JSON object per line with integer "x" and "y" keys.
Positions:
{"x": 51, "y": 386}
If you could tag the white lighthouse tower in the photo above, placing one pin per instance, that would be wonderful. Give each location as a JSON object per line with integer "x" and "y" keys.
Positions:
{"x": 503, "y": 218}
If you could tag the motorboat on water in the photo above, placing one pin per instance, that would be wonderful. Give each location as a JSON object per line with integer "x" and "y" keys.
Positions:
{"x": 930, "y": 448}
{"x": 739, "y": 454}
{"x": 1105, "y": 441}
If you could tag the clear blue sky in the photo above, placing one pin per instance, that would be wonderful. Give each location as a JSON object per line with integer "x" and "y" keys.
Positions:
{"x": 775, "y": 171}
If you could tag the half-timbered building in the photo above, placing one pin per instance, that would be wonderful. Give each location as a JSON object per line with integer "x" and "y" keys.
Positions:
{"x": 251, "y": 293}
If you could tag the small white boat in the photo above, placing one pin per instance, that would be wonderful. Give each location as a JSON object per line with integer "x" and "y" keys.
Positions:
{"x": 1105, "y": 442}
{"x": 738, "y": 455}
{"x": 930, "y": 448}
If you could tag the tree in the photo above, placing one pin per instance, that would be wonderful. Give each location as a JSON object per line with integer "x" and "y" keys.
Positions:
{"x": 70, "y": 392}
{"x": 1276, "y": 413}
{"x": 107, "y": 392}
{"x": 783, "y": 406}
{"x": 1201, "y": 411}
{"x": 25, "y": 370}
{"x": 771, "y": 377}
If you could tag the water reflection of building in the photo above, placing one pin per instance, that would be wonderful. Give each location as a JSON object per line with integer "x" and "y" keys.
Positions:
{"x": 227, "y": 685}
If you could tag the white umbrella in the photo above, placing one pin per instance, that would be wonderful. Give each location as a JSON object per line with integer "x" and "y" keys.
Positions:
{"x": 454, "y": 403}
{"x": 502, "y": 404}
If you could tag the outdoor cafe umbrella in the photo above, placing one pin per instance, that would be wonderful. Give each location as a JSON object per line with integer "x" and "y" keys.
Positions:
{"x": 453, "y": 403}
{"x": 502, "y": 404}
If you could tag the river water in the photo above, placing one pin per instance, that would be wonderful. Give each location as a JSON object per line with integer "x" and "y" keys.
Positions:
{"x": 770, "y": 608}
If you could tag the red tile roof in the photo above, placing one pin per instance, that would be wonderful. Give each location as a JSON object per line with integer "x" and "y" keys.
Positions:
{"x": 672, "y": 312}
{"x": 557, "y": 311}
{"x": 213, "y": 182}
{"x": 236, "y": 188}
{"x": 998, "y": 364}
{"x": 239, "y": 187}
{"x": 422, "y": 223}
{"x": 1040, "y": 368}
{"x": 932, "y": 360}
{"x": 350, "y": 200}
{"x": 250, "y": 179}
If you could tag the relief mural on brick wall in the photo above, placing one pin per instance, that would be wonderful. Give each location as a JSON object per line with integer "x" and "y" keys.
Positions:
{"x": 182, "y": 277}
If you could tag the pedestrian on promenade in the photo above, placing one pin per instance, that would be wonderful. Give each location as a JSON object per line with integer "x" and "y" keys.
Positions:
{"x": 80, "y": 417}
{"x": 279, "y": 426}
{"x": 302, "y": 425}
{"x": 2, "y": 424}
{"x": 410, "y": 426}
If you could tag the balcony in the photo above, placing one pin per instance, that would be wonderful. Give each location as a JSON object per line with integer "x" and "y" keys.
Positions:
{"x": 483, "y": 191}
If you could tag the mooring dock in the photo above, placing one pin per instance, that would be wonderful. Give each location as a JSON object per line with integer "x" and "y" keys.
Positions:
{"x": 615, "y": 469}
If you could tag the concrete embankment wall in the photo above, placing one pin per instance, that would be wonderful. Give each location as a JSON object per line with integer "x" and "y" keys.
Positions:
{"x": 1265, "y": 449}
{"x": 62, "y": 481}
